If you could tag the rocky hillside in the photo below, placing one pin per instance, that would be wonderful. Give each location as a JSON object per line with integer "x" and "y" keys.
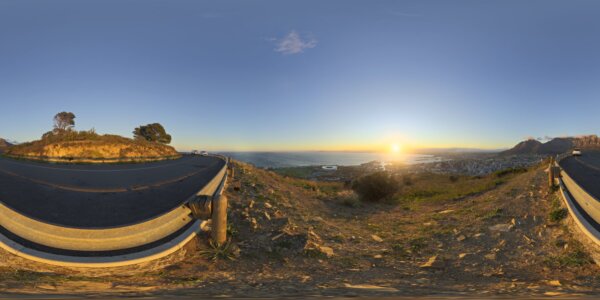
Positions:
{"x": 4, "y": 145}
{"x": 92, "y": 147}
{"x": 588, "y": 141}
{"x": 554, "y": 146}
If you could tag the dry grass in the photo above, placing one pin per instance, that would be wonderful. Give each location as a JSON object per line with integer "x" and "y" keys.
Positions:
{"x": 89, "y": 145}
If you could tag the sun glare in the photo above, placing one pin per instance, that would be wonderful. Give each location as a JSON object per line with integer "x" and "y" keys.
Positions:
{"x": 396, "y": 148}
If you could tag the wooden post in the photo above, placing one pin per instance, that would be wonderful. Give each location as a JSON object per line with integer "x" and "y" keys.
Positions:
{"x": 219, "y": 220}
{"x": 551, "y": 176}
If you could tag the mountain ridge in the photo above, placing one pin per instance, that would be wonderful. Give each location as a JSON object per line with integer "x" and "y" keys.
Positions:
{"x": 553, "y": 146}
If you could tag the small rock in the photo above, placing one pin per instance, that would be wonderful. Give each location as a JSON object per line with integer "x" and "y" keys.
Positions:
{"x": 251, "y": 204}
{"x": 253, "y": 223}
{"x": 277, "y": 236}
{"x": 328, "y": 251}
{"x": 478, "y": 235}
{"x": 513, "y": 221}
{"x": 554, "y": 283}
{"x": 268, "y": 205}
{"x": 462, "y": 255}
{"x": 461, "y": 238}
{"x": 376, "y": 238}
{"x": 377, "y": 256}
{"x": 267, "y": 216}
{"x": 433, "y": 262}
{"x": 501, "y": 227}
{"x": 46, "y": 287}
{"x": 370, "y": 287}
{"x": 314, "y": 235}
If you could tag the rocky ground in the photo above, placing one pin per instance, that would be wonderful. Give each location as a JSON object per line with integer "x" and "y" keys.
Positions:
{"x": 292, "y": 237}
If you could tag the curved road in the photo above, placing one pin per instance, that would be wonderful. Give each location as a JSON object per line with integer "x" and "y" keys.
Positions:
{"x": 102, "y": 196}
{"x": 585, "y": 170}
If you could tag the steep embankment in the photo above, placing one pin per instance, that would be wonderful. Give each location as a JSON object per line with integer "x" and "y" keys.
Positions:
{"x": 107, "y": 147}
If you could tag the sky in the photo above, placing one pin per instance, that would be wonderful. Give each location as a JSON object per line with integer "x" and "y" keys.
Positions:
{"x": 304, "y": 75}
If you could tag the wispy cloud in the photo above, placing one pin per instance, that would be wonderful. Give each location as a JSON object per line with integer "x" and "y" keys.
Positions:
{"x": 294, "y": 43}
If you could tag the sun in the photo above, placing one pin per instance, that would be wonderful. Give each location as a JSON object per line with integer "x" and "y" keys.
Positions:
{"x": 396, "y": 148}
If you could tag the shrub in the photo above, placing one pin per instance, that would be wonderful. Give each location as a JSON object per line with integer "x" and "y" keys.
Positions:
{"x": 348, "y": 198}
{"x": 375, "y": 187}
{"x": 510, "y": 171}
{"x": 558, "y": 214}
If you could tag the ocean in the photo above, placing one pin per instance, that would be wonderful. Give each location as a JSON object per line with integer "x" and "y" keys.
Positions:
{"x": 319, "y": 158}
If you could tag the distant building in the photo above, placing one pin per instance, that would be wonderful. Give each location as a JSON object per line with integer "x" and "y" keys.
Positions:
{"x": 329, "y": 168}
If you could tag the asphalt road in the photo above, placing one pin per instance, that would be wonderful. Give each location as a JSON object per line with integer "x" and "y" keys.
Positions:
{"x": 102, "y": 196}
{"x": 585, "y": 170}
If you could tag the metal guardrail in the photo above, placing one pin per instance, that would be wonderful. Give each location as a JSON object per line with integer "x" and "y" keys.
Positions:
{"x": 210, "y": 203}
{"x": 120, "y": 237}
{"x": 576, "y": 196}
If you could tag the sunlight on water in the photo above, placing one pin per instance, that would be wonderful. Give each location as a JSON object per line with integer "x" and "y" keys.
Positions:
{"x": 297, "y": 159}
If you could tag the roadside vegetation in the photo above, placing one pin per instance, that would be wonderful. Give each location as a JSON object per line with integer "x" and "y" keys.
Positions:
{"x": 423, "y": 187}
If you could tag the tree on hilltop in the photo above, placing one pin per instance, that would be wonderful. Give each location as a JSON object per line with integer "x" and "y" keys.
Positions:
{"x": 64, "y": 121}
{"x": 153, "y": 133}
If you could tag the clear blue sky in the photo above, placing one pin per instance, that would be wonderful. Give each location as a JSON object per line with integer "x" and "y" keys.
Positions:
{"x": 320, "y": 75}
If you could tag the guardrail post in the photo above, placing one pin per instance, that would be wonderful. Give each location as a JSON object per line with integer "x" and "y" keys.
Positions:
{"x": 551, "y": 173}
{"x": 219, "y": 220}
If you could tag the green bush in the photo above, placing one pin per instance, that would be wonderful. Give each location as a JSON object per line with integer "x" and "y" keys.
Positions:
{"x": 510, "y": 171}
{"x": 558, "y": 214}
{"x": 375, "y": 187}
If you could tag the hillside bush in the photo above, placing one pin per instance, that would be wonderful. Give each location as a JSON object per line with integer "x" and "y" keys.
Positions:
{"x": 376, "y": 187}
{"x": 510, "y": 171}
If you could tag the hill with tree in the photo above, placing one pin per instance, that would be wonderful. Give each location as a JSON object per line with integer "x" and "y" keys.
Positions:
{"x": 64, "y": 143}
